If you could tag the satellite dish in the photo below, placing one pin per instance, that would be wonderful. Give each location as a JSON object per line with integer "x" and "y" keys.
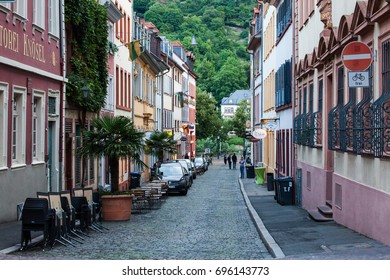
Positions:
{"x": 259, "y": 133}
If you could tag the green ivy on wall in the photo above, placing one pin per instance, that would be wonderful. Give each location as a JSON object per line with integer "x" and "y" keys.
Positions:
{"x": 86, "y": 24}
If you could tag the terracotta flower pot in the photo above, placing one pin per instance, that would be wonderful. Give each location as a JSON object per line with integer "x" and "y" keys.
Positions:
{"x": 117, "y": 207}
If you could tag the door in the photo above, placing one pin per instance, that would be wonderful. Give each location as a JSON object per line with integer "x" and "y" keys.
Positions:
{"x": 52, "y": 167}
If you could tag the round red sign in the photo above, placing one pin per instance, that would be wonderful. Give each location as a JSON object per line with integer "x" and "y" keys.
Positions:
{"x": 356, "y": 56}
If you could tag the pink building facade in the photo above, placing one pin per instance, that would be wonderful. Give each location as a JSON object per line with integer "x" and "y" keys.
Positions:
{"x": 31, "y": 101}
{"x": 341, "y": 132}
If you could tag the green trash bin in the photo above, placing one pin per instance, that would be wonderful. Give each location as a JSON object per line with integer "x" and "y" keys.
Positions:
{"x": 260, "y": 172}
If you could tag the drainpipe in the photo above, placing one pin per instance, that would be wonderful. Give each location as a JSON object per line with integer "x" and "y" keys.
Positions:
{"x": 62, "y": 98}
{"x": 262, "y": 77}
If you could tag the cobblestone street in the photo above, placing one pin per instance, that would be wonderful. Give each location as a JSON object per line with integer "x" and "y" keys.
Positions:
{"x": 211, "y": 222}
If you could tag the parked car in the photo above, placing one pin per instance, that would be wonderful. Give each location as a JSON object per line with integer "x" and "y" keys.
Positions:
{"x": 190, "y": 165}
{"x": 177, "y": 176}
{"x": 200, "y": 165}
{"x": 186, "y": 167}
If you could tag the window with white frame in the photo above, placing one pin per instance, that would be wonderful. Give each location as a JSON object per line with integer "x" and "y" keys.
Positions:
{"x": 20, "y": 8}
{"x": 110, "y": 94}
{"x": 39, "y": 13}
{"x": 18, "y": 136}
{"x": 7, "y": 5}
{"x": 54, "y": 17}
{"x": 110, "y": 32}
{"x": 38, "y": 127}
{"x": 3, "y": 124}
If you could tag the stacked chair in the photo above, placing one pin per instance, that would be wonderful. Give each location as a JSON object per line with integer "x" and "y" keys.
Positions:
{"x": 64, "y": 217}
{"x": 93, "y": 206}
{"x": 36, "y": 216}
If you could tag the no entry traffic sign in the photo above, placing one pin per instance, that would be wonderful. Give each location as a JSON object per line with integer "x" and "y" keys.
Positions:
{"x": 356, "y": 56}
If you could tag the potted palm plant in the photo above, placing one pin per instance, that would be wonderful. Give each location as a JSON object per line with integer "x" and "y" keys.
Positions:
{"x": 159, "y": 143}
{"x": 114, "y": 137}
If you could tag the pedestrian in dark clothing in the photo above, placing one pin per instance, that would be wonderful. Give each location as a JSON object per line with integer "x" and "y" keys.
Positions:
{"x": 229, "y": 159}
{"x": 234, "y": 160}
{"x": 225, "y": 159}
{"x": 242, "y": 167}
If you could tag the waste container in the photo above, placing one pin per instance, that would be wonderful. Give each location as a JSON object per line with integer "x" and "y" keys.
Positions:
{"x": 270, "y": 181}
{"x": 259, "y": 171}
{"x": 284, "y": 191}
{"x": 135, "y": 181}
{"x": 250, "y": 171}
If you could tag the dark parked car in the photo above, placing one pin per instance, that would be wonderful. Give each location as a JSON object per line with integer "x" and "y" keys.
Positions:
{"x": 200, "y": 165}
{"x": 177, "y": 176}
{"x": 190, "y": 166}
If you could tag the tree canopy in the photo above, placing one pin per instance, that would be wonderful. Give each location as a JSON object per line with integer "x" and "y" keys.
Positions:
{"x": 222, "y": 63}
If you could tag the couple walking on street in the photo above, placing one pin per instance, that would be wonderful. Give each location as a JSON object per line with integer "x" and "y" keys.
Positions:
{"x": 231, "y": 159}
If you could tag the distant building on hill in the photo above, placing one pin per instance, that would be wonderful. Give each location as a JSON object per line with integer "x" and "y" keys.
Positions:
{"x": 229, "y": 104}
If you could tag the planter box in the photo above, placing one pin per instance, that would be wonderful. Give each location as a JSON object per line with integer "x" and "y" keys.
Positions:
{"x": 116, "y": 207}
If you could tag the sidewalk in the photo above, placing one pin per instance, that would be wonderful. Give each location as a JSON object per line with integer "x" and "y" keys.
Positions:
{"x": 289, "y": 233}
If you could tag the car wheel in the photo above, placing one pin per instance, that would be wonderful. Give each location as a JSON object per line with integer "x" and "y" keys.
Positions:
{"x": 184, "y": 192}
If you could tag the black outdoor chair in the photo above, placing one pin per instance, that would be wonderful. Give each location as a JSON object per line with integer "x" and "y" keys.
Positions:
{"x": 82, "y": 213}
{"x": 68, "y": 208}
{"x": 37, "y": 216}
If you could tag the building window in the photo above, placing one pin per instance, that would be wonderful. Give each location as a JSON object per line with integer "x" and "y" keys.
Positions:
{"x": 20, "y": 8}
{"x": 283, "y": 17}
{"x": 311, "y": 96}
{"x": 54, "y": 17}
{"x": 38, "y": 127}
{"x": 39, "y": 13}
{"x": 340, "y": 86}
{"x": 304, "y": 105}
{"x": 3, "y": 124}
{"x": 320, "y": 93}
{"x": 283, "y": 85}
{"x": 18, "y": 136}
{"x": 109, "y": 104}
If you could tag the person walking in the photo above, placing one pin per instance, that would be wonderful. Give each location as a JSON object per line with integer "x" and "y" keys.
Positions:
{"x": 242, "y": 167}
{"x": 234, "y": 160}
{"x": 229, "y": 159}
{"x": 225, "y": 158}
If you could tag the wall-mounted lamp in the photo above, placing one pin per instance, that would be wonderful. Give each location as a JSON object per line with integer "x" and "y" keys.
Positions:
{"x": 85, "y": 91}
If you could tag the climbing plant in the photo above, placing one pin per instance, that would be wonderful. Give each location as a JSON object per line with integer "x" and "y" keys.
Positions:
{"x": 87, "y": 33}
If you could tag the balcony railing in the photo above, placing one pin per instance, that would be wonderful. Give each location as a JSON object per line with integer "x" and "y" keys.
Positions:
{"x": 308, "y": 129}
{"x": 363, "y": 128}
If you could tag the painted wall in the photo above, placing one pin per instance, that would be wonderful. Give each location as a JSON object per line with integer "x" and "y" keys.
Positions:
{"x": 362, "y": 208}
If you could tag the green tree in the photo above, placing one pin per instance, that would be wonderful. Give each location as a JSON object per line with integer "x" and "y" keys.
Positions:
{"x": 241, "y": 115}
{"x": 141, "y": 6}
{"x": 167, "y": 16}
{"x": 230, "y": 77}
{"x": 115, "y": 138}
{"x": 208, "y": 118}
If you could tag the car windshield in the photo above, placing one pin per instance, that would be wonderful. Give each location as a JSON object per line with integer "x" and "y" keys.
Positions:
{"x": 198, "y": 161}
{"x": 171, "y": 170}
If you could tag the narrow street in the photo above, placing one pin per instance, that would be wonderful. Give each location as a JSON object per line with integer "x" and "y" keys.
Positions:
{"x": 211, "y": 222}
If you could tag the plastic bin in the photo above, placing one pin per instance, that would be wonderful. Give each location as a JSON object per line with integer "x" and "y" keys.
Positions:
{"x": 284, "y": 191}
{"x": 260, "y": 172}
{"x": 135, "y": 181}
{"x": 270, "y": 181}
{"x": 250, "y": 171}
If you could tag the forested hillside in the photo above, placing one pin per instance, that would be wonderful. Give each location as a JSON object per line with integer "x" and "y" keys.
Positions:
{"x": 221, "y": 31}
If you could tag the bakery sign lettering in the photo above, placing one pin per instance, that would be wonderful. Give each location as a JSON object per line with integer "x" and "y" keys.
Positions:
{"x": 10, "y": 40}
